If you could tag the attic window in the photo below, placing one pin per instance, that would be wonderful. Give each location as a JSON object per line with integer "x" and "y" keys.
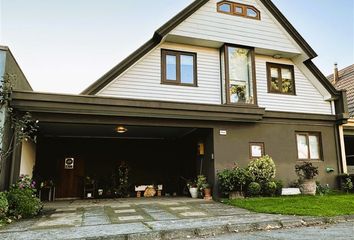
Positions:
{"x": 239, "y": 9}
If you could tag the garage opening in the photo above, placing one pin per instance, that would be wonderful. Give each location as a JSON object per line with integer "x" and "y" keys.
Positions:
{"x": 88, "y": 160}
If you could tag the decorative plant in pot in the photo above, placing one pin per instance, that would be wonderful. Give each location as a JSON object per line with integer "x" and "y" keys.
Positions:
{"x": 307, "y": 172}
{"x": 204, "y": 187}
{"x": 193, "y": 189}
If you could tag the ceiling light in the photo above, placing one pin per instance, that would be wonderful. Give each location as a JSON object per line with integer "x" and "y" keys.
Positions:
{"x": 277, "y": 56}
{"x": 121, "y": 129}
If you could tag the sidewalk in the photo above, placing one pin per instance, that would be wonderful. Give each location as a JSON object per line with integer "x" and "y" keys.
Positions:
{"x": 158, "y": 218}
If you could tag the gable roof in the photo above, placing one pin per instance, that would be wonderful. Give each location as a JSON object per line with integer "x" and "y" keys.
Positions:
{"x": 180, "y": 17}
{"x": 346, "y": 82}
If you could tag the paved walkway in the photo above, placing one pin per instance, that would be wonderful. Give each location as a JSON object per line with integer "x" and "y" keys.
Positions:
{"x": 157, "y": 218}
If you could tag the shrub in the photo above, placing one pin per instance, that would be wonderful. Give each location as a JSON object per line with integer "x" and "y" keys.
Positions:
{"x": 4, "y": 205}
{"x": 22, "y": 200}
{"x": 262, "y": 169}
{"x": 322, "y": 189}
{"x": 254, "y": 189}
{"x": 306, "y": 170}
{"x": 279, "y": 189}
{"x": 235, "y": 179}
{"x": 269, "y": 188}
{"x": 202, "y": 182}
{"x": 22, "y": 203}
{"x": 347, "y": 185}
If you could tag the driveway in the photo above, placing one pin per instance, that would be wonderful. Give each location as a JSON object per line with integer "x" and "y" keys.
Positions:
{"x": 155, "y": 218}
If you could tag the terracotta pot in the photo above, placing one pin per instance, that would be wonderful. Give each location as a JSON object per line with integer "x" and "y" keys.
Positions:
{"x": 207, "y": 193}
{"x": 308, "y": 187}
{"x": 236, "y": 195}
{"x": 194, "y": 192}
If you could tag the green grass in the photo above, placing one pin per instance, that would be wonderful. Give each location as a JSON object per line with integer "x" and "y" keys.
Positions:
{"x": 325, "y": 206}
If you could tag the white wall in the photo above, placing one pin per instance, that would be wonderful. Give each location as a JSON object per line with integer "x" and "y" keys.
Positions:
{"x": 28, "y": 158}
{"x": 143, "y": 80}
{"x": 307, "y": 98}
{"x": 207, "y": 23}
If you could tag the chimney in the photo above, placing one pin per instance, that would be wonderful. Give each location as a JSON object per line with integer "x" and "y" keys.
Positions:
{"x": 336, "y": 74}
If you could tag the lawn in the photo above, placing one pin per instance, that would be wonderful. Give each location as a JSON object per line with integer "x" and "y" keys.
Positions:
{"x": 326, "y": 206}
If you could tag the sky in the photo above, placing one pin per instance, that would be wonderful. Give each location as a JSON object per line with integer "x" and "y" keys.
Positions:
{"x": 65, "y": 45}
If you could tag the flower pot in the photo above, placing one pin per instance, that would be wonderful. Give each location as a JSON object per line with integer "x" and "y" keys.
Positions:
{"x": 308, "y": 187}
{"x": 194, "y": 192}
{"x": 207, "y": 194}
{"x": 236, "y": 195}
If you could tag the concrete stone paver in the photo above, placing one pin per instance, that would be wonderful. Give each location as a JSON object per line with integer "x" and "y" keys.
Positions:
{"x": 156, "y": 218}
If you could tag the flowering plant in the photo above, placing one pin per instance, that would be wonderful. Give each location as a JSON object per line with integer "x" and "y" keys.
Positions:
{"x": 25, "y": 182}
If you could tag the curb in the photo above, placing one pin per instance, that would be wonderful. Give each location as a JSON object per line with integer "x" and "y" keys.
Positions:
{"x": 189, "y": 233}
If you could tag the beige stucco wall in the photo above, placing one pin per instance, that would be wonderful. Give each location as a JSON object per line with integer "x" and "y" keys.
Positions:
{"x": 28, "y": 158}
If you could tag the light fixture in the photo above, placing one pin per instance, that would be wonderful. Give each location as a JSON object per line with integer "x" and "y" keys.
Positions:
{"x": 277, "y": 56}
{"x": 121, "y": 129}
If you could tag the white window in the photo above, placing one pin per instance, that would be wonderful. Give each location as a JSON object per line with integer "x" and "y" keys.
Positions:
{"x": 309, "y": 146}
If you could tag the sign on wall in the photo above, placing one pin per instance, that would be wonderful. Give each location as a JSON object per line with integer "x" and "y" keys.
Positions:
{"x": 69, "y": 163}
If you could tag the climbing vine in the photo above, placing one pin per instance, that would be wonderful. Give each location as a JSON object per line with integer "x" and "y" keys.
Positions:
{"x": 23, "y": 127}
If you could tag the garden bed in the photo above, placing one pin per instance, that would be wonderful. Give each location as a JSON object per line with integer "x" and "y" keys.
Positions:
{"x": 325, "y": 206}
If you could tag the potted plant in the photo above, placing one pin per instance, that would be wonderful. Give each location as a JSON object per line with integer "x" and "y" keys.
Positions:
{"x": 204, "y": 187}
{"x": 193, "y": 189}
{"x": 232, "y": 182}
{"x": 307, "y": 172}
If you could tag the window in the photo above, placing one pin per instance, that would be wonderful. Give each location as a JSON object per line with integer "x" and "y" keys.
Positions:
{"x": 256, "y": 150}
{"x": 178, "y": 68}
{"x": 309, "y": 146}
{"x": 281, "y": 78}
{"x": 239, "y": 9}
{"x": 239, "y": 74}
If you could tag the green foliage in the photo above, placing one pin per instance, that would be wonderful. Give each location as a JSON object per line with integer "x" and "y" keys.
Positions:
{"x": 347, "y": 184}
{"x": 22, "y": 199}
{"x": 280, "y": 185}
{"x": 233, "y": 180}
{"x": 322, "y": 189}
{"x": 269, "y": 189}
{"x": 306, "y": 170}
{"x": 4, "y": 205}
{"x": 202, "y": 183}
{"x": 254, "y": 189}
{"x": 23, "y": 204}
{"x": 121, "y": 181}
{"x": 262, "y": 169}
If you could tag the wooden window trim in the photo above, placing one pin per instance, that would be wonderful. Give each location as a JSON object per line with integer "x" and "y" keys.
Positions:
{"x": 280, "y": 81}
{"x": 178, "y": 54}
{"x": 227, "y": 75}
{"x": 320, "y": 148}
{"x": 261, "y": 144}
{"x": 233, "y": 5}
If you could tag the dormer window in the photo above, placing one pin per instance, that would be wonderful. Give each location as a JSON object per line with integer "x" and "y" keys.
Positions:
{"x": 239, "y": 9}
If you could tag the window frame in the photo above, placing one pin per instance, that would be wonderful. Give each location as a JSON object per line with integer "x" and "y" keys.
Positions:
{"x": 178, "y": 54}
{"x": 320, "y": 146}
{"x": 280, "y": 66}
{"x": 244, "y": 9}
{"x": 261, "y": 144}
{"x": 227, "y": 75}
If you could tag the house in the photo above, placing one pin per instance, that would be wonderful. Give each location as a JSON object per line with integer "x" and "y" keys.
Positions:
{"x": 344, "y": 80}
{"x": 9, "y": 68}
{"x": 221, "y": 83}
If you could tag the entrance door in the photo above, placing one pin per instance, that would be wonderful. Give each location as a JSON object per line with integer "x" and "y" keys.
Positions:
{"x": 70, "y": 178}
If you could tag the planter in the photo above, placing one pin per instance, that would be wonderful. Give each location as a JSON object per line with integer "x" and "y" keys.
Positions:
{"x": 236, "y": 195}
{"x": 207, "y": 194}
{"x": 308, "y": 187}
{"x": 194, "y": 192}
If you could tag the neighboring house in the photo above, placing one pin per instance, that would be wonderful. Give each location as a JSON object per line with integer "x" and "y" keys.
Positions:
{"x": 9, "y": 67}
{"x": 344, "y": 80}
{"x": 220, "y": 83}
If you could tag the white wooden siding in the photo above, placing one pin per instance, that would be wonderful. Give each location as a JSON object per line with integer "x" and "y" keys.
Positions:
{"x": 207, "y": 23}
{"x": 143, "y": 80}
{"x": 307, "y": 98}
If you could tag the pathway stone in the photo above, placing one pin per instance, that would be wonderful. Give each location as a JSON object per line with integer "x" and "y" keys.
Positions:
{"x": 125, "y": 211}
{"x": 162, "y": 216}
{"x": 193, "y": 214}
{"x": 179, "y": 208}
{"x": 131, "y": 218}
